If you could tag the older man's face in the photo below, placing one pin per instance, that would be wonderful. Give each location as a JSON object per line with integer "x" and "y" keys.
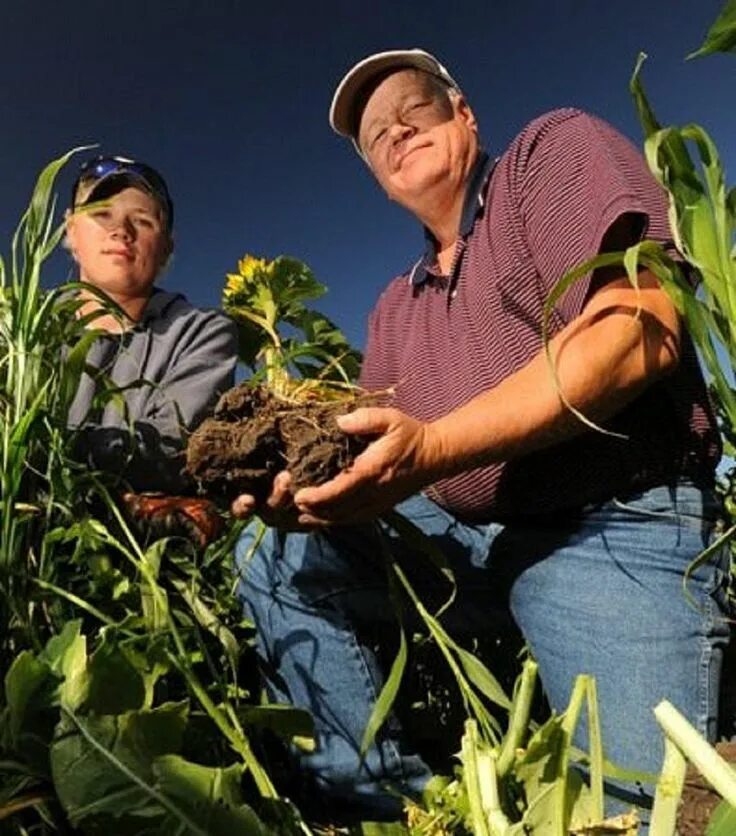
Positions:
{"x": 415, "y": 138}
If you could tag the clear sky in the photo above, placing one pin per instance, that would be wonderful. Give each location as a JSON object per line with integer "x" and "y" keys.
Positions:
{"x": 229, "y": 100}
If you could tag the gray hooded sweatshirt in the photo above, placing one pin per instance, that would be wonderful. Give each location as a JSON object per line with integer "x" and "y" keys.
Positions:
{"x": 176, "y": 361}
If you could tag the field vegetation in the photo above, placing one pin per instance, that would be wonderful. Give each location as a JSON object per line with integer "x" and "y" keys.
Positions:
{"x": 130, "y": 700}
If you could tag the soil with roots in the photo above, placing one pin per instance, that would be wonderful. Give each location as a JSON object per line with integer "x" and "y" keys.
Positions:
{"x": 253, "y": 435}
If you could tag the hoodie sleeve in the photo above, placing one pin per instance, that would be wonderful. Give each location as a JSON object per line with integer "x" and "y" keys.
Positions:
{"x": 146, "y": 446}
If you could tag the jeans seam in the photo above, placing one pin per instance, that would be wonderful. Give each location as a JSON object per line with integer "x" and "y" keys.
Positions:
{"x": 706, "y": 657}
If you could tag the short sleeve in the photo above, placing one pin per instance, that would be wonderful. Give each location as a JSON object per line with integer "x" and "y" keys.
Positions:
{"x": 579, "y": 176}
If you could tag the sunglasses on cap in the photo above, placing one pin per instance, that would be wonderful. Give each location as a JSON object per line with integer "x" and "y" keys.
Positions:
{"x": 100, "y": 168}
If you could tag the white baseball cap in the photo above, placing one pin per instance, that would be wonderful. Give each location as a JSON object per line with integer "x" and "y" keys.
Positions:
{"x": 342, "y": 117}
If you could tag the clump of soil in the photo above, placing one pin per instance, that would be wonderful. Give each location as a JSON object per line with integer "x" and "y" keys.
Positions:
{"x": 253, "y": 435}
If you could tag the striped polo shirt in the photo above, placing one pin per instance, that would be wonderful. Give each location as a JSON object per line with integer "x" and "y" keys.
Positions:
{"x": 438, "y": 341}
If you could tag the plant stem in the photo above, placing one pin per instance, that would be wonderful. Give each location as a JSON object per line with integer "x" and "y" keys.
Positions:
{"x": 569, "y": 723}
{"x": 669, "y": 790}
{"x": 697, "y": 750}
{"x": 596, "y": 751}
{"x": 519, "y": 719}
{"x": 471, "y": 778}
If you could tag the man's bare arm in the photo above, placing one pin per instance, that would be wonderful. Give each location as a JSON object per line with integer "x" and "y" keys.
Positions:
{"x": 621, "y": 343}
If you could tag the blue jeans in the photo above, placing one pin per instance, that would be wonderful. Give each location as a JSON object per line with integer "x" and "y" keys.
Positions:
{"x": 598, "y": 592}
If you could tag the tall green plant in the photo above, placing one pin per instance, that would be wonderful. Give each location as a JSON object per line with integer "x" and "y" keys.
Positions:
{"x": 42, "y": 348}
{"x": 121, "y": 662}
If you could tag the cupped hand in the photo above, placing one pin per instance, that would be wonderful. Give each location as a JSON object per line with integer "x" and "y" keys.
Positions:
{"x": 402, "y": 460}
{"x": 278, "y": 511}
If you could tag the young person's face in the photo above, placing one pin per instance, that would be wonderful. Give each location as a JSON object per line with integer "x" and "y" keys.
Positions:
{"x": 122, "y": 244}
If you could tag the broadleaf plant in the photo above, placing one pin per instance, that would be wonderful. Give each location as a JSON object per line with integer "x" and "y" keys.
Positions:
{"x": 266, "y": 295}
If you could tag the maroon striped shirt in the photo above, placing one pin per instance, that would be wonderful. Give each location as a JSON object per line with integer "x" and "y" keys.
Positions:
{"x": 439, "y": 341}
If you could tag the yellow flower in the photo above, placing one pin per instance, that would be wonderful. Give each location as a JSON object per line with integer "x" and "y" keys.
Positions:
{"x": 249, "y": 265}
{"x": 234, "y": 285}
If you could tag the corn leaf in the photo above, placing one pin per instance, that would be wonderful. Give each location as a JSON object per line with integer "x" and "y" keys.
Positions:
{"x": 723, "y": 821}
{"x": 721, "y": 36}
{"x": 387, "y": 697}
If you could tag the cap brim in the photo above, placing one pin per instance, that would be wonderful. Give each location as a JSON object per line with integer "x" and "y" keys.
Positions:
{"x": 342, "y": 117}
{"x": 110, "y": 185}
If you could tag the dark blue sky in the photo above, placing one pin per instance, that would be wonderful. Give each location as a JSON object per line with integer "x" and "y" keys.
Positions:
{"x": 229, "y": 99}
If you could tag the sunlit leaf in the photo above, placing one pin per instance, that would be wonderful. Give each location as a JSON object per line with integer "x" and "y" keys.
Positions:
{"x": 721, "y": 36}
{"x": 723, "y": 821}
{"x": 103, "y": 765}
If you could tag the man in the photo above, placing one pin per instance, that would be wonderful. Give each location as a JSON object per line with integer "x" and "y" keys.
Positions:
{"x": 170, "y": 359}
{"x": 587, "y": 533}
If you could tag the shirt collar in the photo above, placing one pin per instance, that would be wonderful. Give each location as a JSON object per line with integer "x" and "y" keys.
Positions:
{"x": 472, "y": 207}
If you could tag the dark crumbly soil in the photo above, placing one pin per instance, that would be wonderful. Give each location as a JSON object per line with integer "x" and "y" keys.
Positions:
{"x": 254, "y": 435}
{"x": 699, "y": 799}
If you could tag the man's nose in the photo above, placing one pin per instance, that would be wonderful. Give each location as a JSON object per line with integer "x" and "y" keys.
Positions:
{"x": 400, "y": 131}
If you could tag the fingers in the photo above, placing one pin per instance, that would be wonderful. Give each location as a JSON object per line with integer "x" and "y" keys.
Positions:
{"x": 281, "y": 497}
{"x": 308, "y": 499}
{"x": 243, "y": 506}
{"x": 277, "y": 511}
{"x": 368, "y": 420}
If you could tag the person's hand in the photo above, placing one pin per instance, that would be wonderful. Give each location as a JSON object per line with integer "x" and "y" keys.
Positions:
{"x": 278, "y": 511}
{"x": 402, "y": 460}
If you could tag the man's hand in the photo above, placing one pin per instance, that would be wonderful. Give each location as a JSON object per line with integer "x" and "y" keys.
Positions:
{"x": 400, "y": 462}
{"x": 278, "y": 511}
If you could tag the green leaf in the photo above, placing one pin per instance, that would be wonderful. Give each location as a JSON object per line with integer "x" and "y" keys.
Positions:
{"x": 207, "y": 618}
{"x": 721, "y": 36}
{"x": 38, "y": 210}
{"x": 115, "y": 684}
{"x": 66, "y": 655}
{"x": 30, "y": 687}
{"x": 538, "y": 767}
{"x": 387, "y": 696}
{"x": 646, "y": 114}
{"x": 723, "y": 821}
{"x": 210, "y": 796}
{"x": 292, "y": 724}
{"x": 103, "y": 765}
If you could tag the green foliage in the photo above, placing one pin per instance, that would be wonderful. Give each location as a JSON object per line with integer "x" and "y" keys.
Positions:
{"x": 263, "y": 297}
{"x": 723, "y": 821}
{"x": 722, "y": 35}
{"x": 535, "y": 791}
{"x": 703, "y": 223}
{"x": 126, "y": 665}
{"x": 701, "y": 282}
